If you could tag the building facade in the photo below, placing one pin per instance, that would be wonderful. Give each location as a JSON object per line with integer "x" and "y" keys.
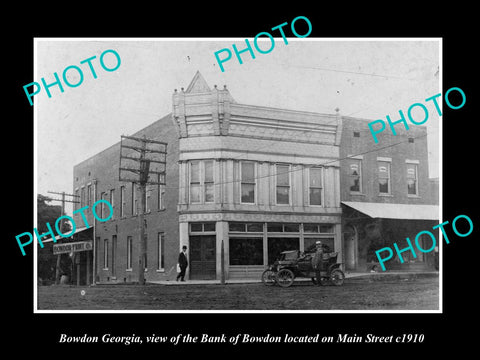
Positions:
{"x": 244, "y": 183}
{"x": 257, "y": 180}
{"x": 386, "y": 195}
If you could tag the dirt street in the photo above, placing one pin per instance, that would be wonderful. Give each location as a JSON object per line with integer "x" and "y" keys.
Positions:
{"x": 360, "y": 294}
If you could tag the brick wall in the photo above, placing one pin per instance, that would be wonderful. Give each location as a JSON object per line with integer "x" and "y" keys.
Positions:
{"x": 101, "y": 172}
{"x": 398, "y": 148}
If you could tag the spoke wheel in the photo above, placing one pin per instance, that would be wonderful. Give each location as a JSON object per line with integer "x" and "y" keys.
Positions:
{"x": 285, "y": 278}
{"x": 268, "y": 277}
{"x": 337, "y": 277}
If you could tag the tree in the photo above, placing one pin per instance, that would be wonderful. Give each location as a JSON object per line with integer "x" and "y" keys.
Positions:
{"x": 46, "y": 260}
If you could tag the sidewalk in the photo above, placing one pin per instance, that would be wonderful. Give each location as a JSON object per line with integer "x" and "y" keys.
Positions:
{"x": 360, "y": 276}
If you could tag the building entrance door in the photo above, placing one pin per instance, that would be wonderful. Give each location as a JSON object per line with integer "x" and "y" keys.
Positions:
{"x": 202, "y": 257}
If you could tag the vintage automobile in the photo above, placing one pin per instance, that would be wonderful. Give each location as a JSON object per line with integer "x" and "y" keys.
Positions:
{"x": 294, "y": 263}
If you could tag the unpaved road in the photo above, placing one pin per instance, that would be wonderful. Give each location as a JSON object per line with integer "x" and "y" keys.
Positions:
{"x": 394, "y": 294}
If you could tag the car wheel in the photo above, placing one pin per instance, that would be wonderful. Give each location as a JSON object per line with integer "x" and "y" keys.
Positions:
{"x": 285, "y": 277}
{"x": 337, "y": 277}
{"x": 268, "y": 277}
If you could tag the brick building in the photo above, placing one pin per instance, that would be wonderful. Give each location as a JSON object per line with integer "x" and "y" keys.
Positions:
{"x": 386, "y": 194}
{"x": 238, "y": 176}
{"x": 250, "y": 180}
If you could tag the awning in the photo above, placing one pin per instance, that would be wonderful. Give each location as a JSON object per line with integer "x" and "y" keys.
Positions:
{"x": 396, "y": 211}
{"x": 58, "y": 237}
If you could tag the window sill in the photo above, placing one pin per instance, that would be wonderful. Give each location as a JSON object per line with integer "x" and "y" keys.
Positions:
{"x": 413, "y": 196}
{"x": 160, "y": 270}
{"x": 385, "y": 195}
{"x": 105, "y": 269}
{"x": 129, "y": 270}
{"x": 357, "y": 193}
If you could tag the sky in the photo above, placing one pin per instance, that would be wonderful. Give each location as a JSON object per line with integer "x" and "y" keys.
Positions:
{"x": 368, "y": 78}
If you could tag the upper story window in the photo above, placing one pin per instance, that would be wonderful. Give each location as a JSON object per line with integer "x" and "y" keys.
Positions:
{"x": 134, "y": 199}
{"x": 202, "y": 182}
{"x": 112, "y": 201}
{"x": 247, "y": 175}
{"x": 76, "y": 205}
{"x": 122, "y": 201}
{"x": 82, "y": 196}
{"x": 283, "y": 184}
{"x": 355, "y": 175}
{"x": 89, "y": 195}
{"x": 315, "y": 185}
{"x": 384, "y": 186}
{"x": 148, "y": 192}
{"x": 412, "y": 179}
{"x": 161, "y": 197}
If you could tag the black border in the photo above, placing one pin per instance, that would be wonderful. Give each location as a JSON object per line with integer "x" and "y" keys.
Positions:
{"x": 42, "y": 331}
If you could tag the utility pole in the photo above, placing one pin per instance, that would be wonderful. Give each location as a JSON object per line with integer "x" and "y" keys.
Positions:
{"x": 137, "y": 155}
{"x": 63, "y": 200}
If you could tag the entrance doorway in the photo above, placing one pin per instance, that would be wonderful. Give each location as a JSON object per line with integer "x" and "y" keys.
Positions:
{"x": 202, "y": 257}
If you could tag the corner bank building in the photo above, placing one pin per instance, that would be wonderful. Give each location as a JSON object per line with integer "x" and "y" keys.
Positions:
{"x": 251, "y": 180}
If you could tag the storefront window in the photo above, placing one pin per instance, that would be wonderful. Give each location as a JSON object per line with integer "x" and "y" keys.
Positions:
{"x": 246, "y": 251}
{"x": 277, "y": 245}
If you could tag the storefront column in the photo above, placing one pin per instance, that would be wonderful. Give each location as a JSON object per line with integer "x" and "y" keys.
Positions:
{"x": 338, "y": 245}
{"x": 222, "y": 234}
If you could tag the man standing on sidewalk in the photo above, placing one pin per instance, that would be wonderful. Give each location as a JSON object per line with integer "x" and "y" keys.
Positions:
{"x": 183, "y": 263}
{"x": 317, "y": 261}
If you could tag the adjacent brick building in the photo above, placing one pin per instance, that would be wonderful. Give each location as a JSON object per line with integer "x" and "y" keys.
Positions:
{"x": 386, "y": 194}
{"x": 250, "y": 180}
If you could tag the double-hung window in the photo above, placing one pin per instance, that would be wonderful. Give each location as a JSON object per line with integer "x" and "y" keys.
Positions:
{"x": 202, "y": 182}
{"x": 247, "y": 174}
{"x": 384, "y": 186}
{"x": 412, "y": 178}
{"x": 315, "y": 185}
{"x": 355, "y": 174}
{"x": 283, "y": 184}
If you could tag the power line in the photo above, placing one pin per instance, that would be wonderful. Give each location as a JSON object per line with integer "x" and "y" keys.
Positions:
{"x": 310, "y": 165}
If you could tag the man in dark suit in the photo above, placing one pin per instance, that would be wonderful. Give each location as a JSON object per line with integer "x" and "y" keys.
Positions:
{"x": 183, "y": 263}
